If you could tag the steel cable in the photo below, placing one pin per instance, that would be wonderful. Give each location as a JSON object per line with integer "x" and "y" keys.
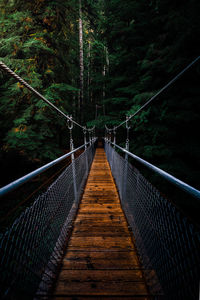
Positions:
{"x": 157, "y": 94}
{"x": 29, "y": 87}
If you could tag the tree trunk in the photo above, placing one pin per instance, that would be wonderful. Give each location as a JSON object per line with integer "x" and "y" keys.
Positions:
{"x": 104, "y": 71}
{"x": 88, "y": 81}
{"x": 81, "y": 59}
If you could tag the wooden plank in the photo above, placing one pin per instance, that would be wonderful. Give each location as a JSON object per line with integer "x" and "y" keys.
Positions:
{"x": 101, "y": 282}
{"x": 101, "y": 275}
{"x": 121, "y": 297}
{"x": 100, "y": 219}
{"x": 92, "y": 200}
{"x": 66, "y": 287}
{"x": 101, "y": 210}
{"x": 101, "y": 259}
{"x": 89, "y": 297}
{"x": 94, "y": 194}
{"x": 83, "y": 231}
{"x": 100, "y": 206}
{"x": 100, "y": 243}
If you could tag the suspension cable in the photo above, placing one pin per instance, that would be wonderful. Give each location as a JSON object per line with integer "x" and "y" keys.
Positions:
{"x": 158, "y": 93}
{"x": 29, "y": 87}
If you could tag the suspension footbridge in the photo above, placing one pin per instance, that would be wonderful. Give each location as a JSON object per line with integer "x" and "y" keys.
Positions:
{"x": 100, "y": 231}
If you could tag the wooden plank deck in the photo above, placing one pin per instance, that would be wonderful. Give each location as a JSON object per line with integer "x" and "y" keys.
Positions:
{"x": 101, "y": 260}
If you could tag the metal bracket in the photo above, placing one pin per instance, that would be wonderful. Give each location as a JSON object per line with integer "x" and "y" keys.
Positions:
{"x": 70, "y": 123}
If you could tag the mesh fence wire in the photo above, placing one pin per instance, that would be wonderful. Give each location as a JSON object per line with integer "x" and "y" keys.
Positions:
{"x": 31, "y": 249}
{"x": 167, "y": 242}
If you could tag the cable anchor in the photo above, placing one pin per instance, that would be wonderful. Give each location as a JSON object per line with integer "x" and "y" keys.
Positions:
{"x": 70, "y": 122}
{"x": 70, "y": 127}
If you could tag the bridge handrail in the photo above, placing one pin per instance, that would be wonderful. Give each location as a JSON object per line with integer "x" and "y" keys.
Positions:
{"x": 167, "y": 241}
{"x": 179, "y": 183}
{"x": 15, "y": 184}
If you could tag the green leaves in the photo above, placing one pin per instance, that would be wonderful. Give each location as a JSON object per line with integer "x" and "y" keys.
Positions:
{"x": 34, "y": 46}
{"x": 60, "y": 87}
{"x": 33, "y": 43}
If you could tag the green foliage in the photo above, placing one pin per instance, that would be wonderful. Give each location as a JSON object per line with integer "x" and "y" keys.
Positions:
{"x": 31, "y": 36}
{"x": 100, "y": 122}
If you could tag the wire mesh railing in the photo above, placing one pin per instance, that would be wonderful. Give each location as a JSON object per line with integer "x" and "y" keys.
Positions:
{"x": 32, "y": 248}
{"x": 167, "y": 242}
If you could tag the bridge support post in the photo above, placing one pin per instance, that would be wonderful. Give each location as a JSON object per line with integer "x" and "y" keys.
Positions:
{"x": 114, "y": 142}
{"x": 112, "y": 151}
{"x": 114, "y": 137}
{"x": 90, "y": 140}
{"x": 85, "y": 142}
{"x": 109, "y": 136}
{"x": 72, "y": 159}
{"x": 125, "y": 175}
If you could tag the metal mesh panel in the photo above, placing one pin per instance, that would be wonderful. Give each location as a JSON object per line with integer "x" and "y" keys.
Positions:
{"x": 32, "y": 248}
{"x": 167, "y": 242}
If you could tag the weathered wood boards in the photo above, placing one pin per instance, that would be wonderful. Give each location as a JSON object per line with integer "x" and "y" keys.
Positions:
{"x": 101, "y": 260}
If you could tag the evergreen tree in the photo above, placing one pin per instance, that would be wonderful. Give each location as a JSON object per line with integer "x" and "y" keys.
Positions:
{"x": 36, "y": 44}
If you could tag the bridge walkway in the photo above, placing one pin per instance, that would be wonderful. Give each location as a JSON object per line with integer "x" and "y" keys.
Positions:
{"x": 101, "y": 260}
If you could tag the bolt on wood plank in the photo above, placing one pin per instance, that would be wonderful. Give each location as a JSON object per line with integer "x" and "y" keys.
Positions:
{"x": 101, "y": 260}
